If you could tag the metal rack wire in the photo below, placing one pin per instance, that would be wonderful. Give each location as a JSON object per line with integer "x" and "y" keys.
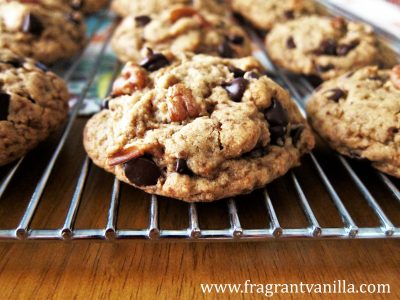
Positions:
{"x": 300, "y": 89}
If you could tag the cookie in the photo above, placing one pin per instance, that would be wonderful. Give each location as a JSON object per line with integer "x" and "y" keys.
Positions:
{"x": 264, "y": 14}
{"x": 34, "y": 30}
{"x": 84, "y": 6}
{"x": 322, "y": 46}
{"x": 197, "y": 128}
{"x": 88, "y": 6}
{"x": 135, "y": 8}
{"x": 359, "y": 115}
{"x": 33, "y": 103}
{"x": 180, "y": 29}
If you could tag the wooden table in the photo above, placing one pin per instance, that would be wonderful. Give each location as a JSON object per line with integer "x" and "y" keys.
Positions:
{"x": 147, "y": 270}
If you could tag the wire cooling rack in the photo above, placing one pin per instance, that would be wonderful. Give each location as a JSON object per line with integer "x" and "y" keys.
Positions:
{"x": 341, "y": 188}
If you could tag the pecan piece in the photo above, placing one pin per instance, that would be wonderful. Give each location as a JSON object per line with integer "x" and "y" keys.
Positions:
{"x": 133, "y": 151}
{"x": 181, "y": 103}
{"x": 181, "y": 12}
{"x": 395, "y": 76}
{"x": 132, "y": 78}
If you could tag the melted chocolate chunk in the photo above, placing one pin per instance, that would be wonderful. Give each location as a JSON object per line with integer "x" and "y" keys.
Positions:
{"x": 296, "y": 135}
{"x": 343, "y": 49}
{"x": 236, "y": 89}
{"x": 290, "y": 44}
{"x": 276, "y": 114}
{"x": 142, "y": 171}
{"x": 32, "y": 25}
{"x": 323, "y": 69}
{"x": 4, "y": 105}
{"x": 17, "y": 63}
{"x": 105, "y": 104}
{"x": 277, "y": 133}
{"x": 142, "y": 21}
{"x": 253, "y": 75}
{"x": 237, "y": 40}
{"x": 154, "y": 62}
{"x": 182, "y": 167}
{"x": 289, "y": 14}
{"x": 225, "y": 50}
{"x": 327, "y": 47}
{"x": 336, "y": 94}
{"x": 237, "y": 72}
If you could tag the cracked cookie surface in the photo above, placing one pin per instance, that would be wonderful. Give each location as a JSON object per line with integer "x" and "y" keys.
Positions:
{"x": 180, "y": 29}
{"x": 33, "y": 103}
{"x": 322, "y": 46}
{"x": 146, "y": 7}
{"x": 264, "y": 14}
{"x": 197, "y": 128}
{"x": 359, "y": 116}
{"x": 35, "y": 30}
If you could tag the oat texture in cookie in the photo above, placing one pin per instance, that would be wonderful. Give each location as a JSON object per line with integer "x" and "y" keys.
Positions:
{"x": 180, "y": 29}
{"x": 33, "y": 103}
{"x": 264, "y": 14}
{"x": 197, "y": 128}
{"x": 41, "y": 32}
{"x": 146, "y": 7}
{"x": 322, "y": 46}
{"x": 359, "y": 115}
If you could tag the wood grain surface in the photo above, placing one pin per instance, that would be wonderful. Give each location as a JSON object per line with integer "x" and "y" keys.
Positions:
{"x": 143, "y": 270}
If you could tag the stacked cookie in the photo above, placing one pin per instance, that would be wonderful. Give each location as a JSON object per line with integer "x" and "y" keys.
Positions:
{"x": 33, "y": 100}
{"x": 192, "y": 116}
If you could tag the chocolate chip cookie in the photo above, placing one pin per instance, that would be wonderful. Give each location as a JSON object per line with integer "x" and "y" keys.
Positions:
{"x": 322, "y": 46}
{"x": 197, "y": 128}
{"x": 146, "y": 7}
{"x": 264, "y": 14}
{"x": 180, "y": 29}
{"x": 84, "y": 6}
{"x": 33, "y": 30}
{"x": 33, "y": 103}
{"x": 359, "y": 115}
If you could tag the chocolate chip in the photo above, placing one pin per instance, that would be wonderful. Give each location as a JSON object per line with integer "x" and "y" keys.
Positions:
{"x": 256, "y": 153}
{"x": 290, "y": 44}
{"x": 277, "y": 133}
{"x": 4, "y": 105}
{"x": 336, "y": 94}
{"x": 276, "y": 114}
{"x": 237, "y": 72}
{"x": 296, "y": 135}
{"x": 289, "y": 14}
{"x": 142, "y": 21}
{"x": 142, "y": 171}
{"x": 343, "y": 49}
{"x": 225, "y": 50}
{"x": 323, "y": 69}
{"x": 236, "y": 88}
{"x": 41, "y": 66}
{"x": 32, "y": 25}
{"x": 237, "y": 40}
{"x": 327, "y": 47}
{"x": 154, "y": 62}
{"x": 182, "y": 167}
{"x": 105, "y": 104}
{"x": 16, "y": 63}
{"x": 253, "y": 75}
